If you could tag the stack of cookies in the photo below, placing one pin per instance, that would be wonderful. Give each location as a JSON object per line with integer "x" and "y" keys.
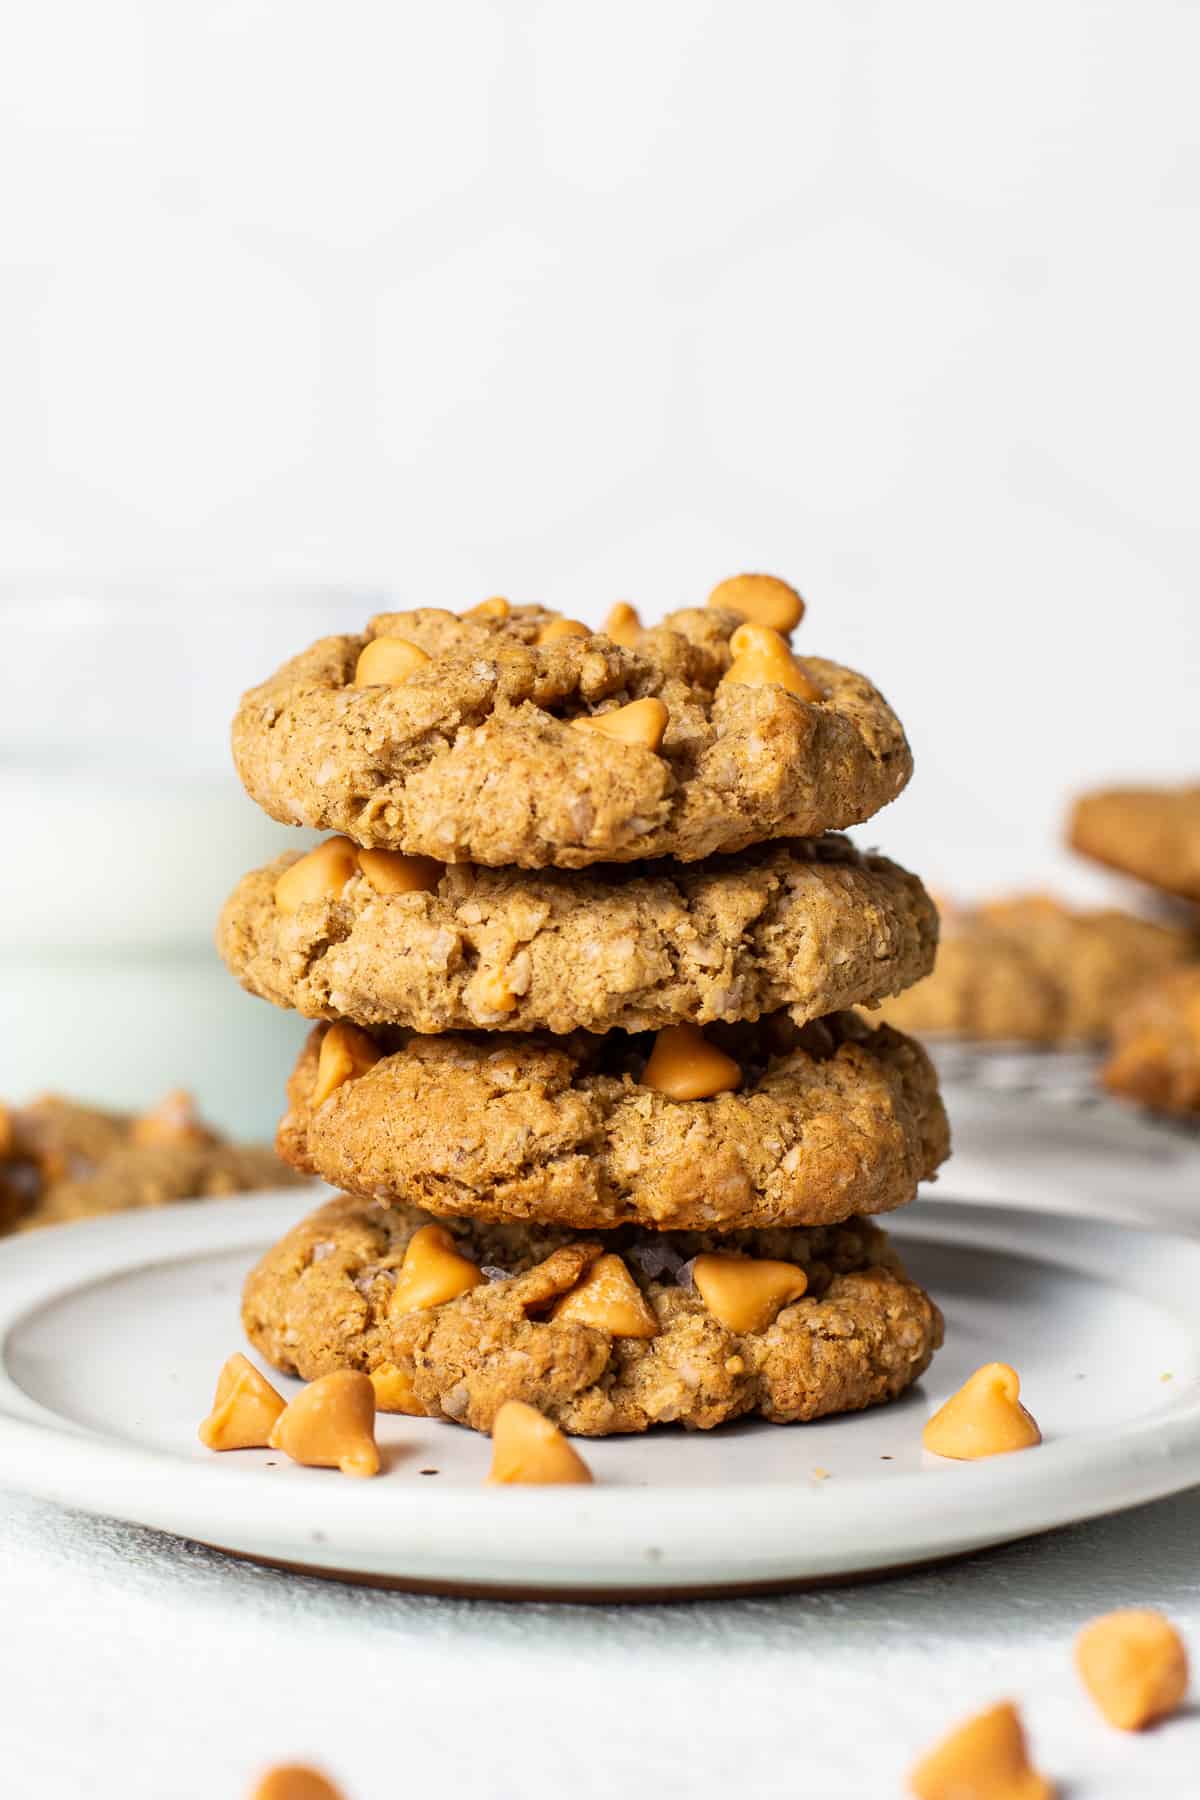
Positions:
{"x": 608, "y": 1131}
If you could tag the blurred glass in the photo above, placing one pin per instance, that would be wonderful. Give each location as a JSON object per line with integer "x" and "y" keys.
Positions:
{"x": 125, "y": 827}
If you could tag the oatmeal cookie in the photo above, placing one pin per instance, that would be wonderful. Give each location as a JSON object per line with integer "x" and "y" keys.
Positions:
{"x": 1155, "y": 1055}
{"x": 812, "y": 925}
{"x": 472, "y": 756}
{"x": 829, "y": 1120}
{"x": 1032, "y": 970}
{"x": 1151, "y": 833}
{"x": 60, "y": 1160}
{"x": 325, "y": 1298}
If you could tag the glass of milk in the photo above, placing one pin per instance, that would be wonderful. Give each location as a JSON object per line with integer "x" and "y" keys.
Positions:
{"x": 123, "y": 828}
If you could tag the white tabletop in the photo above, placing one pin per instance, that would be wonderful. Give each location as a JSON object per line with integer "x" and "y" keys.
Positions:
{"x": 139, "y": 1666}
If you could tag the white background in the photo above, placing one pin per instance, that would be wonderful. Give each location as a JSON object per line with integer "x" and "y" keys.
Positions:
{"x": 576, "y": 302}
{"x": 570, "y": 302}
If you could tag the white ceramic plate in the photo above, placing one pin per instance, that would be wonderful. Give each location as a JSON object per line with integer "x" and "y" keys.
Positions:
{"x": 112, "y": 1333}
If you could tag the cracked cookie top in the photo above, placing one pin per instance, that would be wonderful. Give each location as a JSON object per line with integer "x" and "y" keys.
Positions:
{"x": 459, "y": 739}
{"x": 802, "y": 1125}
{"x": 812, "y": 925}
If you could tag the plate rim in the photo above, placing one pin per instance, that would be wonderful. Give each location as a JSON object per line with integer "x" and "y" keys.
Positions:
{"x": 397, "y": 1534}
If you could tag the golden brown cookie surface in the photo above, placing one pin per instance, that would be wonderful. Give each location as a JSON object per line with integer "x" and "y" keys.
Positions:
{"x": 473, "y": 754}
{"x": 814, "y": 926}
{"x": 323, "y": 1299}
{"x": 1033, "y": 970}
{"x": 1155, "y": 1053}
{"x": 828, "y": 1121}
{"x": 1151, "y": 833}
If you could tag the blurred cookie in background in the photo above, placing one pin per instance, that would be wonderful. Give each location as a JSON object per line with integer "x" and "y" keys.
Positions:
{"x": 61, "y": 1160}
{"x": 1150, "y": 833}
{"x": 1155, "y": 1056}
{"x": 1030, "y": 969}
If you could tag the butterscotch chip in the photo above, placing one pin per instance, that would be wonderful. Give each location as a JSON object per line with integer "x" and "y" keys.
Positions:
{"x": 623, "y": 625}
{"x": 564, "y": 1129}
{"x": 530, "y": 1449}
{"x": 812, "y": 926}
{"x": 1134, "y": 1665}
{"x": 747, "y": 1293}
{"x": 761, "y": 658}
{"x": 321, "y": 875}
{"x": 762, "y": 598}
{"x": 1151, "y": 833}
{"x": 608, "y": 1298}
{"x": 244, "y": 1409}
{"x": 495, "y": 608}
{"x": 346, "y": 1054}
{"x": 1155, "y": 1053}
{"x": 1032, "y": 969}
{"x": 295, "y": 1781}
{"x": 984, "y": 1418}
{"x": 444, "y": 763}
{"x": 987, "y": 1758}
{"x": 322, "y": 1300}
{"x": 683, "y": 1065}
{"x": 388, "y": 872}
{"x": 173, "y": 1121}
{"x": 557, "y": 629}
{"x": 432, "y": 1272}
{"x": 331, "y": 1425}
{"x": 388, "y": 662}
{"x": 642, "y": 724}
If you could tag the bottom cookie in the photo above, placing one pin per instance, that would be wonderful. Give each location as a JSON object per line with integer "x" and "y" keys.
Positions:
{"x": 332, "y": 1294}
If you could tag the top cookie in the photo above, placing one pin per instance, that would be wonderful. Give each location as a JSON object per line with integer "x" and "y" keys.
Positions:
{"x": 1153, "y": 833}
{"x": 466, "y": 746}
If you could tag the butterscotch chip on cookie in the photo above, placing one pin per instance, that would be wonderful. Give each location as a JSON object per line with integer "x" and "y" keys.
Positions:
{"x": 1151, "y": 833}
{"x": 471, "y": 755}
{"x": 829, "y": 1120}
{"x": 860, "y": 1332}
{"x": 1033, "y": 970}
{"x": 812, "y": 925}
{"x": 1155, "y": 1053}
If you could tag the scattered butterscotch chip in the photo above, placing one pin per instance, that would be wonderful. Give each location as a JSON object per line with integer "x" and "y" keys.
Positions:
{"x": 433, "y": 1271}
{"x": 623, "y": 625}
{"x": 987, "y": 1758}
{"x": 763, "y": 598}
{"x": 321, "y": 875}
{"x": 529, "y": 1448}
{"x": 387, "y": 662}
{"x": 173, "y": 1121}
{"x": 610, "y": 1299}
{"x": 391, "y": 872}
{"x": 761, "y": 658}
{"x": 747, "y": 1293}
{"x": 394, "y": 1391}
{"x": 495, "y": 608}
{"x": 1134, "y": 1665}
{"x": 331, "y": 1425}
{"x": 244, "y": 1409}
{"x": 685, "y": 1066}
{"x": 294, "y": 1781}
{"x": 984, "y": 1418}
{"x": 642, "y": 723}
{"x": 346, "y": 1053}
{"x": 558, "y": 629}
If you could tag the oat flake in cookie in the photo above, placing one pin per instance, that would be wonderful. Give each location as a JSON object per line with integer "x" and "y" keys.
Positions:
{"x": 459, "y": 739}
{"x": 812, "y": 925}
{"x": 826, "y": 1121}
{"x": 325, "y": 1298}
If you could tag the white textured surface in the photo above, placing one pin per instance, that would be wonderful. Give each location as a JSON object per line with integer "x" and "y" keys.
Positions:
{"x": 138, "y": 1667}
